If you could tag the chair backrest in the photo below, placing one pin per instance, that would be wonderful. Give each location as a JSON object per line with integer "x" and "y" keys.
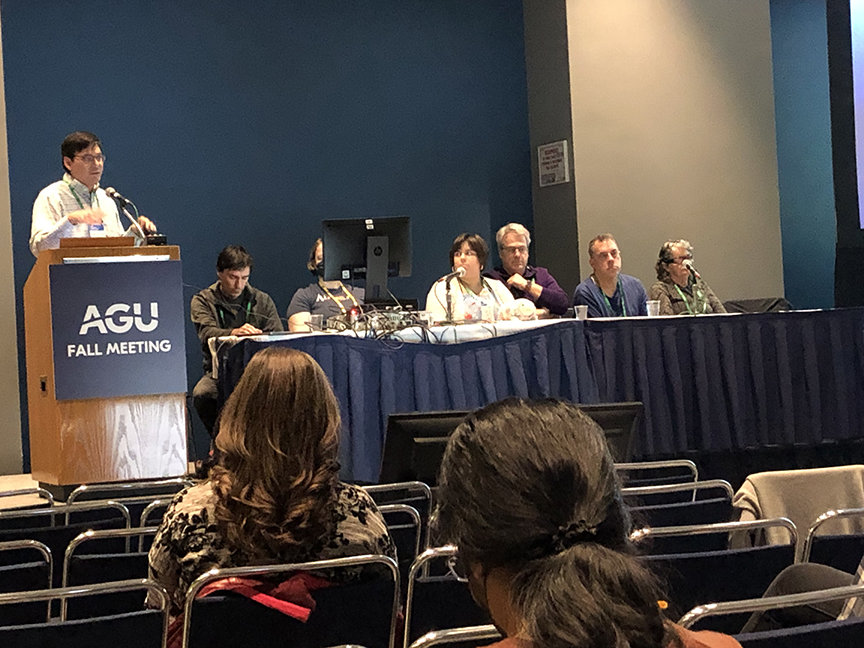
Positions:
{"x": 80, "y": 568}
{"x": 153, "y": 513}
{"x": 849, "y": 632}
{"x": 135, "y": 495}
{"x": 692, "y": 579}
{"x": 414, "y": 493}
{"x": 143, "y": 629}
{"x": 470, "y": 636}
{"x": 761, "y": 604}
{"x": 709, "y": 511}
{"x": 801, "y": 495}
{"x": 657, "y": 473}
{"x": 360, "y": 612}
{"x": 704, "y": 537}
{"x": 842, "y": 551}
{"x": 406, "y": 530}
{"x": 680, "y": 492}
{"x": 27, "y": 565}
{"x": 58, "y": 532}
{"x": 436, "y": 599}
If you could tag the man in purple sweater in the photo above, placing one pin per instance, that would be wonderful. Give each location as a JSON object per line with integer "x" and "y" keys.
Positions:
{"x": 523, "y": 280}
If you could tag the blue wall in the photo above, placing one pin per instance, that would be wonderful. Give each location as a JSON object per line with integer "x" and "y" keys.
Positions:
{"x": 802, "y": 107}
{"x": 250, "y": 122}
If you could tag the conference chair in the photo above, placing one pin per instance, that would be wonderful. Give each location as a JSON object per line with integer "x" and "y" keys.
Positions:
{"x": 134, "y": 495}
{"x": 154, "y": 512}
{"x": 849, "y": 632}
{"x": 800, "y": 495}
{"x": 692, "y": 578}
{"x": 359, "y": 612}
{"x": 45, "y": 501}
{"x": 416, "y": 494}
{"x": 142, "y": 629}
{"x": 57, "y": 526}
{"x": 25, "y": 565}
{"x": 701, "y": 502}
{"x": 841, "y": 551}
{"x": 85, "y": 564}
{"x": 468, "y": 637}
{"x": 656, "y": 473}
{"x": 438, "y": 597}
{"x": 406, "y": 530}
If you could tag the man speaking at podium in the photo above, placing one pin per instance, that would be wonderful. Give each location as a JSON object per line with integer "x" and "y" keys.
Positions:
{"x": 76, "y": 206}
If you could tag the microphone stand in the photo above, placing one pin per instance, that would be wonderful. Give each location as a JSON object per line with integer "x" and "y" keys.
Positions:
{"x": 449, "y": 300}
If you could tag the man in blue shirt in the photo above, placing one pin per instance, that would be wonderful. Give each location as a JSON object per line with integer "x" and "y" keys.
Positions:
{"x": 607, "y": 292}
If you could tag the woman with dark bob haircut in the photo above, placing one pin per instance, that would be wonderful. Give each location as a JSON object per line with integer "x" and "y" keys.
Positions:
{"x": 548, "y": 554}
{"x": 274, "y": 495}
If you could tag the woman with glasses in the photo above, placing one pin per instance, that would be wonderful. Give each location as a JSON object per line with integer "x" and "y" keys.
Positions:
{"x": 528, "y": 493}
{"x": 466, "y": 295}
{"x": 274, "y": 495}
{"x": 679, "y": 288}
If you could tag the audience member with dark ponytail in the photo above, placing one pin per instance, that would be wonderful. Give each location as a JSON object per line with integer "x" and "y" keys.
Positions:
{"x": 274, "y": 495}
{"x": 529, "y": 494}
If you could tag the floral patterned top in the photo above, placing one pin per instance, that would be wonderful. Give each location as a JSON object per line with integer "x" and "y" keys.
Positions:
{"x": 190, "y": 542}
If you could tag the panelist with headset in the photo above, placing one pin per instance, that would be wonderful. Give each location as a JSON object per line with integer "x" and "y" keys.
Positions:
{"x": 229, "y": 307}
{"x": 325, "y": 298}
{"x": 680, "y": 288}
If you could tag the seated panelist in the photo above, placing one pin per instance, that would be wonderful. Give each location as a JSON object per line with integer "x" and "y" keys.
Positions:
{"x": 473, "y": 297}
{"x": 327, "y": 298}
{"x": 680, "y": 289}
{"x": 526, "y": 281}
{"x": 607, "y": 291}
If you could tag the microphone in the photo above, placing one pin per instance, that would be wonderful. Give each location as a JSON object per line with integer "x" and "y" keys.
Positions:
{"x": 688, "y": 263}
{"x": 111, "y": 192}
{"x": 458, "y": 272}
{"x": 116, "y": 195}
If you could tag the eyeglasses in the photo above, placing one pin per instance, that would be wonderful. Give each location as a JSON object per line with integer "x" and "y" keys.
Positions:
{"x": 515, "y": 249}
{"x": 90, "y": 159}
{"x": 468, "y": 253}
{"x": 681, "y": 259}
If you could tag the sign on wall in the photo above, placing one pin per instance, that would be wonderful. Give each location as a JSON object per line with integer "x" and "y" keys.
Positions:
{"x": 118, "y": 329}
{"x": 553, "y": 163}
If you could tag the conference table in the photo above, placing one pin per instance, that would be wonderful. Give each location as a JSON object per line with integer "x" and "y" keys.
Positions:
{"x": 710, "y": 383}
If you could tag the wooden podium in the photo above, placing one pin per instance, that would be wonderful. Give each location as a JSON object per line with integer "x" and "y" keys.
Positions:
{"x": 76, "y": 441}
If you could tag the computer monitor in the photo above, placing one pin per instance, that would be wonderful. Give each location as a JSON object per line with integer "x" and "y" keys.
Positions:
{"x": 415, "y": 441}
{"x": 370, "y": 248}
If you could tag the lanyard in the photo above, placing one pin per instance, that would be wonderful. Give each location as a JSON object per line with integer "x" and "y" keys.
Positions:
{"x": 697, "y": 297}
{"x": 345, "y": 292}
{"x": 618, "y": 289}
{"x": 223, "y": 319}
{"x": 75, "y": 195}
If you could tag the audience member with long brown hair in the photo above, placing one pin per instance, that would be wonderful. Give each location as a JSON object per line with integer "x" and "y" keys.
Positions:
{"x": 274, "y": 495}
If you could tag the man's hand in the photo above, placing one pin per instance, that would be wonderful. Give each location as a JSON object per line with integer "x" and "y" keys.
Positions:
{"x": 86, "y": 216}
{"x": 518, "y": 281}
{"x": 148, "y": 225}
{"x": 246, "y": 329}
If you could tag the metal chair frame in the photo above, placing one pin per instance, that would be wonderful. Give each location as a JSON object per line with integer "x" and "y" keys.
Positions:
{"x": 42, "y": 548}
{"x": 455, "y": 635}
{"x": 833, "y": 514}
{"x": 268, "y": 570}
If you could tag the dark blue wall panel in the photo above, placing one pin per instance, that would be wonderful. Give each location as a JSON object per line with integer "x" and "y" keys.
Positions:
{"x": 250, "y": 122}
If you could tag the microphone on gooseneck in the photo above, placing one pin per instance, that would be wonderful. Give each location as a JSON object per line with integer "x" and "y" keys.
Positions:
{"x": 688, "y": 263}
{"x": 153, "y": 238}
{"x": 458, "y": 272}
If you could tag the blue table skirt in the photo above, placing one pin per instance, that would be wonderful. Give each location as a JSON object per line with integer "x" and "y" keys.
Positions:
{"x": 709, "y": 383}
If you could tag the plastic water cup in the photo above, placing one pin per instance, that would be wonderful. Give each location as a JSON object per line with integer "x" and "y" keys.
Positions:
{"x": 653, "y": 307}
{"x": 582, "y": 312}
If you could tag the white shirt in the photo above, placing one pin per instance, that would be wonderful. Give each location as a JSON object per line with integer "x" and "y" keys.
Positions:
{"x": 57, "y": 200}
{"x": 468, "y": 306}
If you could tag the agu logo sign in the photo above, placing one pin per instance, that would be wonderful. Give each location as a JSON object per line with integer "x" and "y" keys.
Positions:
{"x": 118, "y": 329}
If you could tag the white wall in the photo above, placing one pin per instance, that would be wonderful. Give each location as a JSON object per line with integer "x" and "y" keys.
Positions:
{"x": 10, "y": 422}
{"x": 673, "y": 135}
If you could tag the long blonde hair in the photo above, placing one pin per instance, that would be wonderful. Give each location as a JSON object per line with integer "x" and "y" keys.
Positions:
{"x": 278, "y": 442}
